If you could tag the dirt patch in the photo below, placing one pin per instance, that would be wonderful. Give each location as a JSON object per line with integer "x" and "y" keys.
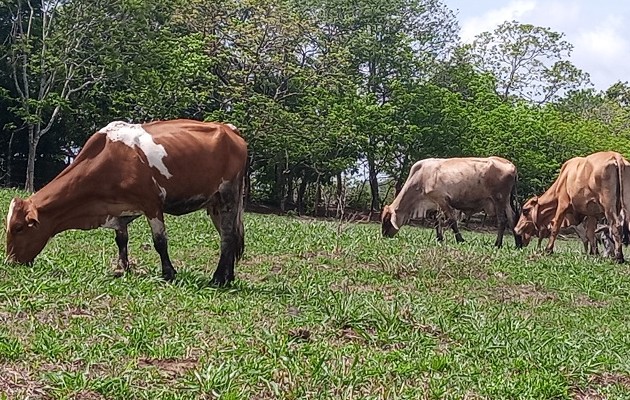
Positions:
{"x": 524, "y": 293}
{"x": 87, "y": 395}
{"x": 299, "y": 335}
{"x": 169, "y": 367}
{"x": 587, "y": 394}
{"x": 610, "y": 378}
{"x": 603, "y": 379}
{"x": 17, "y": 382}
{"x": 582, "y": 300}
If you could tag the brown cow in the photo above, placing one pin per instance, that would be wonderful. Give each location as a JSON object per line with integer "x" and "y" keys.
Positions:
{"x": 128, "y": 170}
{"x": 587, "y": 187}
{"x": 467, "y": 184}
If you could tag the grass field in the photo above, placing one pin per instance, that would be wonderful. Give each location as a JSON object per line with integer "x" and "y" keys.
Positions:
{"x": 316, "y": 312}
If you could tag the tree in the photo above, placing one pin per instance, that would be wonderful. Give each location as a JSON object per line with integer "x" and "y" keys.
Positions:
{"x": 49, "y": 62}
{"x": 529, "y": 62}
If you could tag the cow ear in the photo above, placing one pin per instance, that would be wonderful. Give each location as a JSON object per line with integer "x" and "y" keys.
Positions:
{"x": 32, "y": 217}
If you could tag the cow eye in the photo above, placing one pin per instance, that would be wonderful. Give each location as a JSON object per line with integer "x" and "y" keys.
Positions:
{"x": 525, "y": 211}
{"x": 18, "y": 228}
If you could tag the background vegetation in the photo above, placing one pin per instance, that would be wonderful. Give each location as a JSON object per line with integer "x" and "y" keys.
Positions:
{"x": 336, "y": 99}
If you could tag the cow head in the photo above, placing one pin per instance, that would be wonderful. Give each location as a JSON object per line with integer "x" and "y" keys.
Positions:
{"x": 25, "y": 237}
{"x": 388, "y": 225}
{"x": 527, "y": 225}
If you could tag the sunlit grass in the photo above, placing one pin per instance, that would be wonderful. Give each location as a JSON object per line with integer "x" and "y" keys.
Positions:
{"x": 314, "y": 313}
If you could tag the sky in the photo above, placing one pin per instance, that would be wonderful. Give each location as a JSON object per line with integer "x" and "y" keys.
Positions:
{"x": 599, "y": 30}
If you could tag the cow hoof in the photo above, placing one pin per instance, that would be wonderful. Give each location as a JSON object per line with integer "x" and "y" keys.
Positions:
{"x": 620, "y": 260}
{"x": 118, "y": 272}
{"x": 169, "y": 276}
{"x": 548, "y": 251}
{"x": 221, "y": 281}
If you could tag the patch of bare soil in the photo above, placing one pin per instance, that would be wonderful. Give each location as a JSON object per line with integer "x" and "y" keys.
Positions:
{"x": 524, "y": 293}
{"x": 299, "y": 335}
{"x": 16, "y": 382}
{"x": 87, "y": 395}
{"x": 603, "y": 379}
{"x": 582, "y": 300}
{"x": 169, "y": 367}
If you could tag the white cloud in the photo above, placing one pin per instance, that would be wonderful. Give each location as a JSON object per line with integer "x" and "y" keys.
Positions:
{"x": 599, "y": 31}
{"x": 489, "y": 21}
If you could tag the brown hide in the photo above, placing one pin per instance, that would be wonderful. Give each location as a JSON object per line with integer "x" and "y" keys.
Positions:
{"x": 591, "y": 186}
{"x": 468, "y": 184}
{"x": 124, "y": 170}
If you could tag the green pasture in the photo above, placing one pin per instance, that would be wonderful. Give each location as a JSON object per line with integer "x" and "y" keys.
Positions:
{"x": 319, "y": 310}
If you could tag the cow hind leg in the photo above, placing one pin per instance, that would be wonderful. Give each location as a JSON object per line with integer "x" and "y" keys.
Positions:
{"x": 160, "y": 242}
{"x": 227, "y": 215}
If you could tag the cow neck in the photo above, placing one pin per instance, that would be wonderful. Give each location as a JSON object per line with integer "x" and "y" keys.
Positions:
{"x": 62, "y": 205}
{"x": 547, "y": 205}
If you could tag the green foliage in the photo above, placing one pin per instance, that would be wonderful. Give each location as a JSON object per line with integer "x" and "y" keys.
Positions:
{"x": 528, "y": 61}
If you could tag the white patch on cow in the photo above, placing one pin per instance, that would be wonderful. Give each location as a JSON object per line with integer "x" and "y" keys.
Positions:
{"x": 133, "y": 135}
{"x": 10, "y": 213}
{"x": 232, "y": 127}
{"x": 393, "y": 221}
{"x": 130, "y": 213}
{"x": 111, "y": 222}
{"x": 162, "y": 190}
{"x": 157, "y": 226}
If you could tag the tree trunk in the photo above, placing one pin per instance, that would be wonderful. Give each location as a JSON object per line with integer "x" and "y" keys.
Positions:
{"x": 373, "y": 179}
{"x": 300, "y": 196}
{"x": 340, "y": 197}
{"x": 9, "y": 175}
{"x": 400, "y": 181}
{"x": 33, "y": 138}
{"x": 288, "y": 198}
{"x": 318, "y": 196}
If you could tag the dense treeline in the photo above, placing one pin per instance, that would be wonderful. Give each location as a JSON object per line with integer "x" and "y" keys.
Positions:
{"x": 336, "y": 98}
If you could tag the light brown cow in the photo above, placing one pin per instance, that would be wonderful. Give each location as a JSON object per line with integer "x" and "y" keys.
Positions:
{"x": 467, "y": 184}
{"x": 128, "y": 170}
{"x": 587, "y": 187}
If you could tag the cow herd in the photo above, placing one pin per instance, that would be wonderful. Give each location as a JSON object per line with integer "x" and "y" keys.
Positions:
{"x": 587, "y": 190}
{"x": 125, "y": 171}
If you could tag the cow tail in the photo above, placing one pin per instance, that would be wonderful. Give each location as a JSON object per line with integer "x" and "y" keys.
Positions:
{"x": 621, "y": 166}
{"x": 240, "y": 230}
{"x": 518, "y": 239}
{"x": 514, "y": 197}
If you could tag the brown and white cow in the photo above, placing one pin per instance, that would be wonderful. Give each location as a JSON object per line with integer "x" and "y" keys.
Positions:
{"x": 588, "y": 187}
{"x": 128, "y": 170}
{"x": 467, "y": 184}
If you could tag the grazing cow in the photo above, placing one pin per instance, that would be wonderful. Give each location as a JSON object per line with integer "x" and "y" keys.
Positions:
{"x": 466, "y": 184}
{"x": 587, "y": 187}
{"x": 128, "y": 170}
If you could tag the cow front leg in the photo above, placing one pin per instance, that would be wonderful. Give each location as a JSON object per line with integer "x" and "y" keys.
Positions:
{"x": 438, "y": 230}
{"x": 449, "y": 212}
{"x": 555, "y": 229}
{"x": 160, "y": 242}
